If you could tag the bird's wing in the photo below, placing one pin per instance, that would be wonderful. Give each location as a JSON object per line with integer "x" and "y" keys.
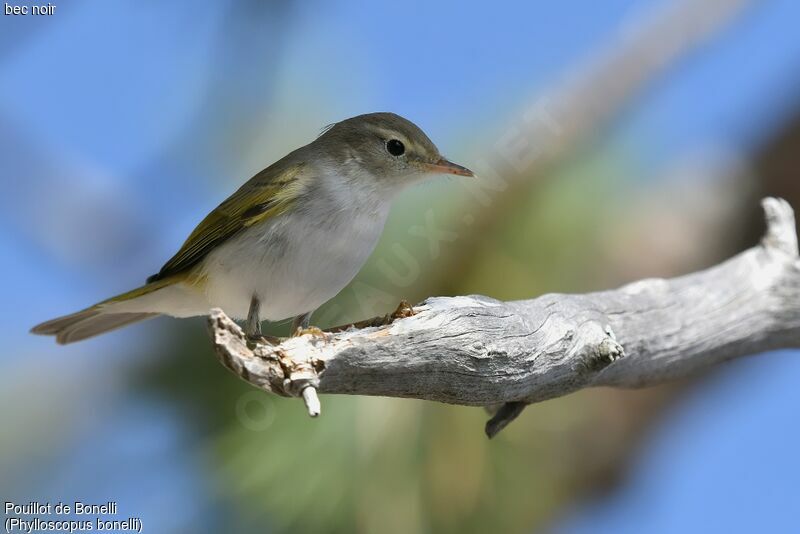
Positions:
{"x": 267, "y": 194}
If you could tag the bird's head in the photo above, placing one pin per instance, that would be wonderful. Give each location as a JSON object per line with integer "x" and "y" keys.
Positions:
{"x": 385, "y": 147}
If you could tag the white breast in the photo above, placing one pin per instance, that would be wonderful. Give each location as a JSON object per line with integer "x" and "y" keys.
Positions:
{"x": 298, "y": 261}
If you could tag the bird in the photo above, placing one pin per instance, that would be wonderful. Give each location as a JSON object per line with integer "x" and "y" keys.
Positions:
{"x": 288, "y": 240}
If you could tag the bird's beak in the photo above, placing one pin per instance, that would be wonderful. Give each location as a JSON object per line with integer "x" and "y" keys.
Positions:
{"x": 444, "y": 166}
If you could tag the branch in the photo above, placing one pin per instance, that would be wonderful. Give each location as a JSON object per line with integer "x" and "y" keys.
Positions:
{"x": 478, "y": 351}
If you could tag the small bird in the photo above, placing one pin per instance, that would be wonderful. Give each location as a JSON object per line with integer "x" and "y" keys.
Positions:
{"x": 288, "y": 240}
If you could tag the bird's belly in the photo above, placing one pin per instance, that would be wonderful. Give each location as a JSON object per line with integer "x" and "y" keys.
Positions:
{"x": 291, "y": 265}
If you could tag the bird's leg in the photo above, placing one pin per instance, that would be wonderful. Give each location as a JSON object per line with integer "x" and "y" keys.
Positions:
{"x": 252, "y": 327}
{"x": 301, "y": 321}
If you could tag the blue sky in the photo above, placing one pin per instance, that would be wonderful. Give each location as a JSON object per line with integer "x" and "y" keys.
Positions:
{"x": 722, "y": 460}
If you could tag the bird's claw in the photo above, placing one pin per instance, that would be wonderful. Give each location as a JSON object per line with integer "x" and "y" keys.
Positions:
{"x": 404, "y": 309}
{"x": 254, "y": 338}
{"x": 311, "y": 330}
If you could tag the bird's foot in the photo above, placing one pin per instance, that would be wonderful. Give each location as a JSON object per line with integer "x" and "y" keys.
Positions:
{"x": 260, "y": 339}
{"x": 253, "y": 333}
{"x": 310, "y": 330}
{"x": 404, "y": 309}
{"x": 253, "y": 338}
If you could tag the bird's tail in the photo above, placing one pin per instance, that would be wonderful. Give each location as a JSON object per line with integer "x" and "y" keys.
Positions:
{"x": 100, "y": 318}
{"x": 87, "y": 323}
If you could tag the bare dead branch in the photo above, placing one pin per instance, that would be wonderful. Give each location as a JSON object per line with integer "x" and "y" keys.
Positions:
{"x": 478, "y": 351}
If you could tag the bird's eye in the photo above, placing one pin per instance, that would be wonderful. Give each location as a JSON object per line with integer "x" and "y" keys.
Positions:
{"x": 395, "y": 147}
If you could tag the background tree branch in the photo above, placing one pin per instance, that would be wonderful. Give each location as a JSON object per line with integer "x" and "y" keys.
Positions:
{"x": 478, "y": 351}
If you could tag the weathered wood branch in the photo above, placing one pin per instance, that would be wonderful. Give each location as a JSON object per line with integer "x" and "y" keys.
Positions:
{"x": 478, "y": 351}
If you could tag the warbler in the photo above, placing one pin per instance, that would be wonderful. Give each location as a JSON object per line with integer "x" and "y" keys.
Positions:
{"x": 286, "y": 241}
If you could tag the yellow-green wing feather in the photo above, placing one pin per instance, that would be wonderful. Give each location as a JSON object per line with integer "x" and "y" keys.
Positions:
{"x": 268, "y": 194}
